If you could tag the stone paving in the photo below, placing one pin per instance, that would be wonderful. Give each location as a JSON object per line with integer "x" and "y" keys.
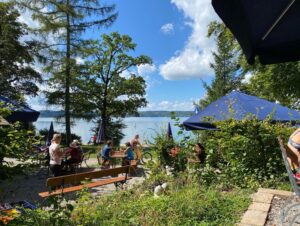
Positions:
{"x": 257, "y": 212}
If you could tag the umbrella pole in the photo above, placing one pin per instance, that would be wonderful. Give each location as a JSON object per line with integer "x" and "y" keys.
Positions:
{"x": 278, "y": 19}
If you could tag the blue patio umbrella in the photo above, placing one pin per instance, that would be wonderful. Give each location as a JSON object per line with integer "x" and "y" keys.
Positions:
{"x": 50, "y": 134}
{"x": 19, "y": 112}
{"x": 238, "y": 105}
{"x": 169, "y": 131}
{"x": 264, "y": 28}
{"x": 100, "y": 135}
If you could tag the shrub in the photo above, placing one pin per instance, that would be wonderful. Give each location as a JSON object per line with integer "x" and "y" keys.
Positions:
{"x": 184, "y": 204}
{"x": 15, "y": 142}
{"x": 246, "y": 152}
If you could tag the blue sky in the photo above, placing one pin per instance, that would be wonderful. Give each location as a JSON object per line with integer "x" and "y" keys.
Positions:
{"x": 173, "y": 34}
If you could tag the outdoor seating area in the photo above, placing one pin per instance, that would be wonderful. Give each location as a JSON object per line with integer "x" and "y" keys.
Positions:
{"x": 142, "y": 113}
{"x": 79, "y": 178}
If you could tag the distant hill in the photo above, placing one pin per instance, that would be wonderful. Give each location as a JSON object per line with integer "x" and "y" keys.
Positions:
{"x": 51, "y": 114}
{"x": 165, "y": 113}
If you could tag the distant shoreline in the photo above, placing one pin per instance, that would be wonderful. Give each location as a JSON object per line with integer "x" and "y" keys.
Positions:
{"x": 53, "y": 114}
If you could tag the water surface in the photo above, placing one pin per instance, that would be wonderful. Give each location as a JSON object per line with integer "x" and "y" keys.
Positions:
{"x": 146, "y": 127}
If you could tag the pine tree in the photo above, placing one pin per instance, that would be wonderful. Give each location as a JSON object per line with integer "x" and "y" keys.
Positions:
{"x": 66, "y": 20}
{"x": 225, "y": 64}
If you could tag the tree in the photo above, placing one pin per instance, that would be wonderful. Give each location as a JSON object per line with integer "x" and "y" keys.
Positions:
{"x": 103, "y": 90}
{"x": 67, "y": 20}
{"x": 225, "y": 64}
{"x": 17, "y": 74}
{"x": 278, "y": 82}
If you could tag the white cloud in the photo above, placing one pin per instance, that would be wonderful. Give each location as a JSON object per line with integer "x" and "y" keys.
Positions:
{"x": 125, "y": 74}
{"x": 194, "y": 60}
{"x": 146, "y": 69}
{"x": 79, "y": 60}
{"x": 167, "y": 28}
{"x": 247, "y": 78}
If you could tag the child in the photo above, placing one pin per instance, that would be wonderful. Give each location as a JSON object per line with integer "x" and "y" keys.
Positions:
{"x": 105, "y": 154}
{"x": 130, "y": 154}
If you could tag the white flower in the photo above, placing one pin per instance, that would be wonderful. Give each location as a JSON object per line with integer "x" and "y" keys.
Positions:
{"x": 63, "y": 203}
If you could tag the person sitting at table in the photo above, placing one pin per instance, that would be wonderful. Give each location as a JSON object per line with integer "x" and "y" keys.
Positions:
{"x": 75, "y": 152}
{"x": 130, "y": 154}
{"x": 105, "y": 154}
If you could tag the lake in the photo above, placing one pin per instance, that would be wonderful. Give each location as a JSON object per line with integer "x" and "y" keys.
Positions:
{"x": 146, "y": 127}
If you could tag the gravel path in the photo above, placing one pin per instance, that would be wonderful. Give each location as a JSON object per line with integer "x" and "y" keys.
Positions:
{"x": 278, "y": 203}
{"x": 27, "y": 187}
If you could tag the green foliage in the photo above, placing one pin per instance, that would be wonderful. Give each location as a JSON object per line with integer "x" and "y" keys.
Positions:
{"x": 15, "y": 142}
{"x": 245, "y": 153}
{"x": 44, "y": 133}
{"x": 187, "y": 204}
{"x": 278, "y": 82}
{"x": 16, "y": 57}
{"x": 102, "y": 89}
{"x": 225, "y": 64}
{"x": 163, "y": 147}
{"x": 67, "y": 21}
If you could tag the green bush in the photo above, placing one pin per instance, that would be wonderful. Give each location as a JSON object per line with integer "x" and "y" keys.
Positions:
{"x": 15, "y": 142}
{"x": 246, "y": 153}
{"x": 184, "y": 204}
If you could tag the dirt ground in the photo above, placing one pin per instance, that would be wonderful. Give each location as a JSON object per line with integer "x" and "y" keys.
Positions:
{"x": 26, "y": 187}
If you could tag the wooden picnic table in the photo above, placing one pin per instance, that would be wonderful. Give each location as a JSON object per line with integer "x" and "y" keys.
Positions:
{"x": 117, "y": 155}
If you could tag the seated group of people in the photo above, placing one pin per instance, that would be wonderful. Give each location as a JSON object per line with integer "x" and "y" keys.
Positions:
{"x": 129, "y": 152}
{"x": 59, "y": 158}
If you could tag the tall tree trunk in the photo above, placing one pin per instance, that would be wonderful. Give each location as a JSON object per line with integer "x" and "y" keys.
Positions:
{"x": 67, "y": 81}
{"x": 103, "y": 113}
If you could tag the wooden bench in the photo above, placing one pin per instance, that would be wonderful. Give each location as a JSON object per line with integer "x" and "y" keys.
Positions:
{"x": 69, "y": 183}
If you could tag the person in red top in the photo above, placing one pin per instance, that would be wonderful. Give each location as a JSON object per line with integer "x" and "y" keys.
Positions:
{"x": 75, "y": 153}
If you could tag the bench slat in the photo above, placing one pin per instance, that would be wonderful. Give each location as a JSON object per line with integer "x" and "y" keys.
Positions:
{"x": 79, "y": 187}
{"x": 76, "y": 178}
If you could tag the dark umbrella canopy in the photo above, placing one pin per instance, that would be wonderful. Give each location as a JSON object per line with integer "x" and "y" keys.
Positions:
{"x": 238, "y": 105}
{"x": 50, "y": 134}
{"x": 100, "y": 135}
{"x": 19, "y": 112}
{"x": 265, "y": 28}
{"x": 169, "y": 132}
